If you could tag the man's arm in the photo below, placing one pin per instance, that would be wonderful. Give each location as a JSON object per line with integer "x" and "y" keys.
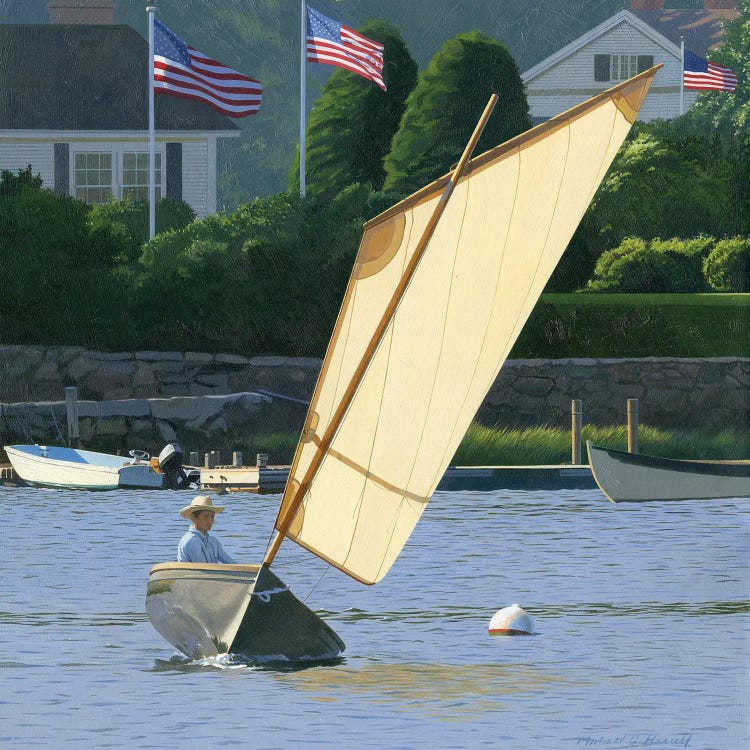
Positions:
{"x": 222, "y": 556}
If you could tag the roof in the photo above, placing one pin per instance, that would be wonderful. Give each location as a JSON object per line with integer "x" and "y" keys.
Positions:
{"x": 701, "y": 29}
{"x": 624, "y": 16}
{"x": 74, "y": 77}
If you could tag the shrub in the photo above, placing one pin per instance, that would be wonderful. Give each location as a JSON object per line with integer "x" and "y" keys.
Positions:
{"x": 62, "y": 288}
{"x": 659, "y": 266}
{"x": 132, "y": 219}
{"x": 727, "y": 268}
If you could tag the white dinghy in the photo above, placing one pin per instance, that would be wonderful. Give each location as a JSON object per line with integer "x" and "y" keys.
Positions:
{"x": 73, "y": 468}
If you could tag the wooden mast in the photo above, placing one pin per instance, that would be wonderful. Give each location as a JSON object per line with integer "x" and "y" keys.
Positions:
{"x": 390, "y": 311}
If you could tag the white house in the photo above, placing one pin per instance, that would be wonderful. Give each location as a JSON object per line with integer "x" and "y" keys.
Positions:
{"x": 625, "y": 44}
{"x": 74, "y": 106}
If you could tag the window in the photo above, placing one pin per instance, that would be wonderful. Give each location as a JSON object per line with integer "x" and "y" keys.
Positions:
{"x": 620, "y": 67}
{"x": 100, "y": 176}
{"x": 601, "y": 67}
{"x": 93, "y": 177}
{"x": 135, "y": 176}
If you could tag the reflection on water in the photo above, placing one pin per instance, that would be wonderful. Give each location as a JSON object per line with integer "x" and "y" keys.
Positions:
{"x": 405, "y": 683}
{"x": 641, "y": 608}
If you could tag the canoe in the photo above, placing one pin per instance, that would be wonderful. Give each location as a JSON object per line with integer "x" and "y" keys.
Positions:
{"x": 72, "y": 468}
{"x": 634, "y": 477}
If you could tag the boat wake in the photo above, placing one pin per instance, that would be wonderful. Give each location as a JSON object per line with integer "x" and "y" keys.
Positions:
{"x": 235, "y": 662}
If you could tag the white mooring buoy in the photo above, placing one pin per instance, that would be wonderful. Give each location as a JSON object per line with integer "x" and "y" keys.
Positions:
{"x": 513, "y": 620}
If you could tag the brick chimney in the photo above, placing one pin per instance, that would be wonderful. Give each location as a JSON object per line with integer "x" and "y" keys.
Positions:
{"x": 99, "y": 12}
{"x": 646, "y": 4}
{"x": 720, "y": 4}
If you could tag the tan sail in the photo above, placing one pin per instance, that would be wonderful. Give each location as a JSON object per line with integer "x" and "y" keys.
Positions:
{"x": 500, "y": 237}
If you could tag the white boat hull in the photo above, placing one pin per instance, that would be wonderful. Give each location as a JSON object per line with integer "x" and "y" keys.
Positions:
{"x": 632, "y": 477}
{"x": 42, "y": 466}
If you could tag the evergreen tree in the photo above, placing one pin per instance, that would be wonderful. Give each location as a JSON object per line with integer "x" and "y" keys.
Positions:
{"x": 351, "y": 125}
{"x": 443, "y": 109}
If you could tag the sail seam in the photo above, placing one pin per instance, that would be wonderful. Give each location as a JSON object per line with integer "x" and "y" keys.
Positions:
{"x": 437, "y": 476}
{"x": 437, "y": 369}
{"x": 390, "y": 333}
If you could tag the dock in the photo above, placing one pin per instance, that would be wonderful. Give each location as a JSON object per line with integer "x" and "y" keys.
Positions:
{"x": 8, "y": 476}
{"x": 272, "y": 479}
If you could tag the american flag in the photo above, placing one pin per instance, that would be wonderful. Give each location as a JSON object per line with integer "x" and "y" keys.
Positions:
{"x": 181, "y": 70}
{"x": 700, "y": 74}
{"x": 332, "y": 43}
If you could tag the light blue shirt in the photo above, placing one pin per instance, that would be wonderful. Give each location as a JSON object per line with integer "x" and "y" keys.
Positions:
{"x": 195, "y": 547}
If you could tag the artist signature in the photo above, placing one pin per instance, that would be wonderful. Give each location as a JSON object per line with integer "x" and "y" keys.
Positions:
{"x": 637, "y": 740}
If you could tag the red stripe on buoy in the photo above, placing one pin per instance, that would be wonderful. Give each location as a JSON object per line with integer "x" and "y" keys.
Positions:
{"x": 508, "y": 631}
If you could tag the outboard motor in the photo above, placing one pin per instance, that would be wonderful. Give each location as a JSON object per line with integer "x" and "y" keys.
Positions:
{"x": 170, "y": 463}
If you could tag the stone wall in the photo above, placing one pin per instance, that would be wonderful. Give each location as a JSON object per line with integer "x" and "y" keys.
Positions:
{"x": 672, "y": 393}
{"x": 223, "y": 402}
{"x": 33, "y": 373}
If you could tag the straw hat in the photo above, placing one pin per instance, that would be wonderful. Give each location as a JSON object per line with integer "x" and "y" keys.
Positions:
{"x": 202, "y": 502}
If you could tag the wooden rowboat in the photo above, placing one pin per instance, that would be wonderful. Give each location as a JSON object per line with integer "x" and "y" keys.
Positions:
{"x": 634, "y": 477}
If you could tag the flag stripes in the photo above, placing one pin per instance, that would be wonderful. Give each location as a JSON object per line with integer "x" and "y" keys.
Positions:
{"x": 332, "y": 43}
{"x": 182, "y": 70}
{"x": 704, "y": 75}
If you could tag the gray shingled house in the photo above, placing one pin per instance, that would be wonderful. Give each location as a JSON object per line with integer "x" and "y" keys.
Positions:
{"x": 74, "y": 105}
{"x": 627, "y": 43}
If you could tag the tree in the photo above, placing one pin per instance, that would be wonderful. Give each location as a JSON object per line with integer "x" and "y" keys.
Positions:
{"x": 351, "y": 125}
{"x": 729, "y": 114}
{"x": 663, "y": 183}
{"x": 267, "y": 278}
{"x": 444, "y": 107}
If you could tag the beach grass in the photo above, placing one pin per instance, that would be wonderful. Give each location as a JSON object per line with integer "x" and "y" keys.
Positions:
{"x": 536, "y": 446}
{"x": 539, "y": 446}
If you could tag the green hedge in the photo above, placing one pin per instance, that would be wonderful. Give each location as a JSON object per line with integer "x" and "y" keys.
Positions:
{"x": 637, "y": 325}
{"x": 727, "y": 267}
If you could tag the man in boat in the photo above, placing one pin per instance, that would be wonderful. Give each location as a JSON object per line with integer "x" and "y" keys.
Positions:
{"x": 197, "y": 546}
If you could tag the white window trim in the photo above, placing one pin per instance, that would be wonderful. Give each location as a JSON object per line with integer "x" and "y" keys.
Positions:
{"x": 117, "y": 150}
{"x": 632, "y": 65}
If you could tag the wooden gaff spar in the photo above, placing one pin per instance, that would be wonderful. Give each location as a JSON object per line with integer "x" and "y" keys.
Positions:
{"x": 441, "y": 287}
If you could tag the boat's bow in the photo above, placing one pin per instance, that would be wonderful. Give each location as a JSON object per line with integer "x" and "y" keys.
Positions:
{"x": 208, "y": 609}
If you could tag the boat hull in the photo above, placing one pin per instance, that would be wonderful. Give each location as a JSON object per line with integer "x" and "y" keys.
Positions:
{"x": 204, "y": 610}
{"x": 632, "y": 477}
{"x": 68, "y": 468}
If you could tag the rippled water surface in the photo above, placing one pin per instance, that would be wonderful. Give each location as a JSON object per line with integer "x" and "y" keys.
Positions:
{"x": 642, "y": 613}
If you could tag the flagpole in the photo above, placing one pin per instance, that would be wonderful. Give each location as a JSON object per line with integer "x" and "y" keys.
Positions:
{"x": 302, "y": 97}
{"x": 151, "y": 10}
{"x": 682, "y": 74}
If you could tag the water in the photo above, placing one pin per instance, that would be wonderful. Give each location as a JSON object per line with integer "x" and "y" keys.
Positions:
{"x": 642, "y": 613}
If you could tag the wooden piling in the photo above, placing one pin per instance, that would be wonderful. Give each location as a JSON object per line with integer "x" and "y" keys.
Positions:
{"x": 261, "y": 460}
{"x": 237, "y": 458}
{"x": 71, "y": 408}
{"x": 194, "y": 459}
{"x": 576, "y": 424}
{"x": 632, "y": 425}
{"x": 208, "y": 460}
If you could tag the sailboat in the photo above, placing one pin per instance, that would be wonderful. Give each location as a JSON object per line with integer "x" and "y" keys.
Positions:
{"x": 441, "y": 287}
